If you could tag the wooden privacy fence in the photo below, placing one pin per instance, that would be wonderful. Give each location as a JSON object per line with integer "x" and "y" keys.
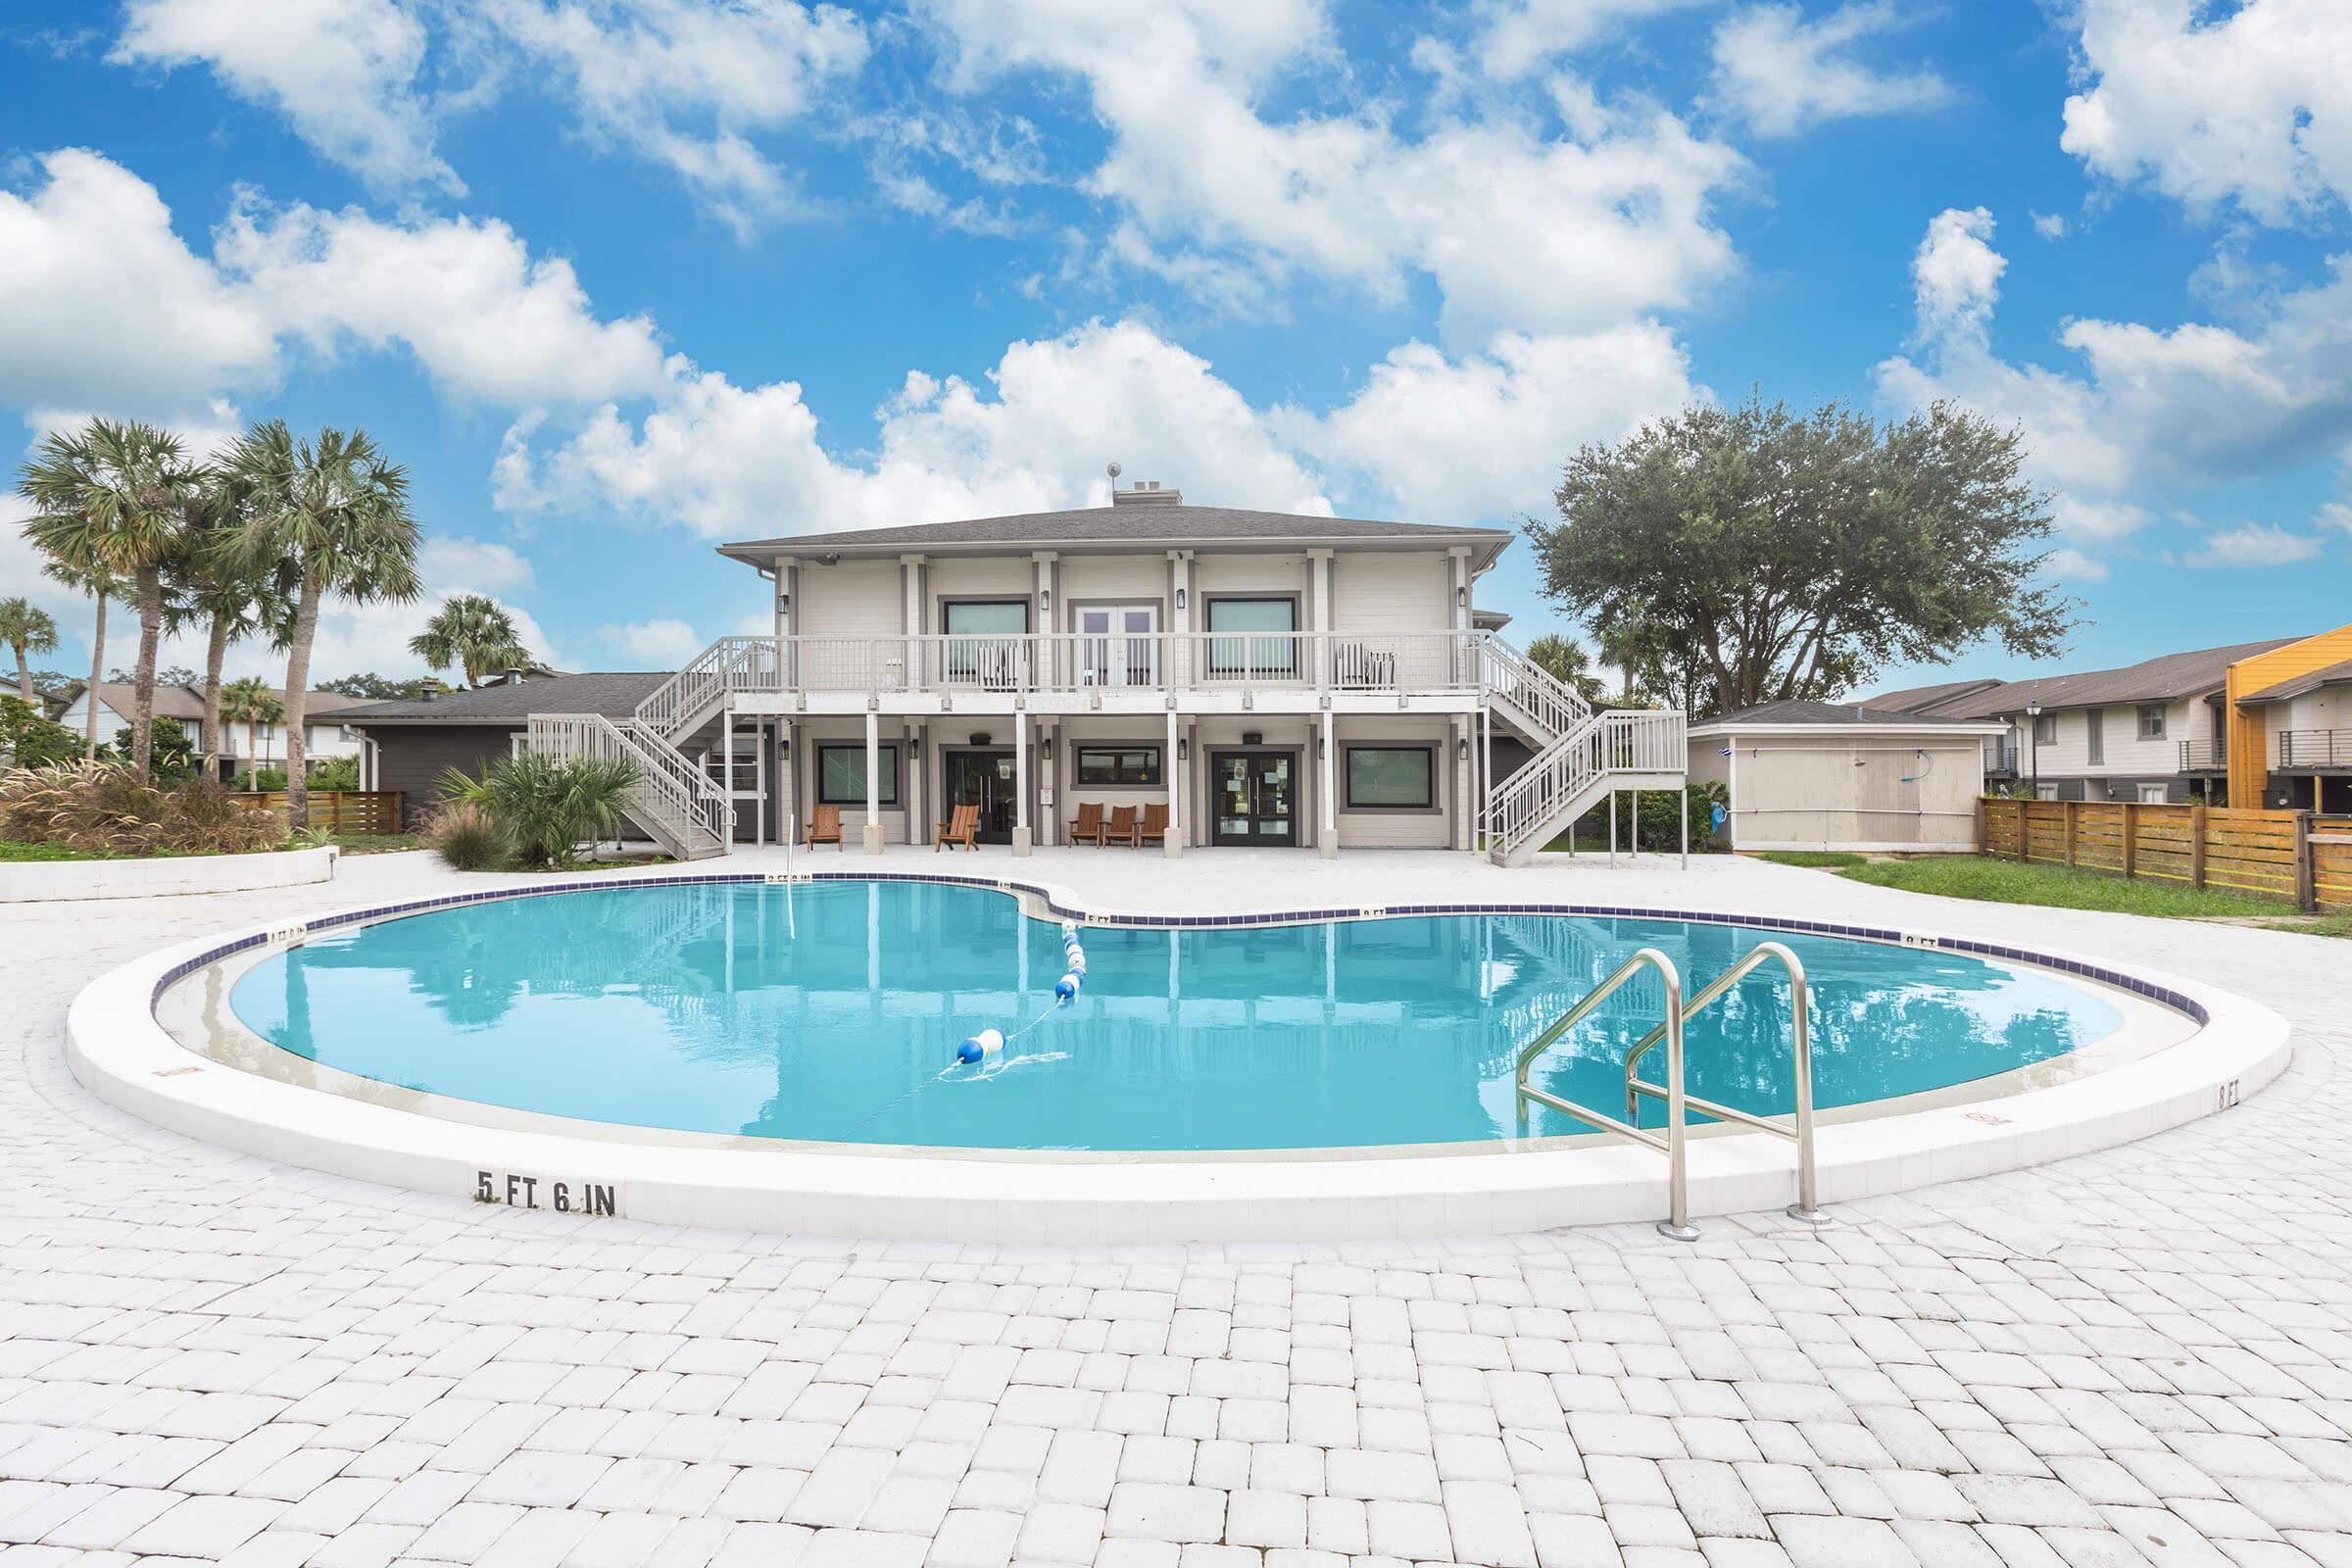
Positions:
{"x": 2303, "y": 858}
{"x": 356, "y": 812}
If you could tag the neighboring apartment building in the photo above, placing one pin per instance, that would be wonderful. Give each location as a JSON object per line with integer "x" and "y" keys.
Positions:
{"x": 2153, "y": 731}
{"x": 1264, "y": 679}
{"x": 328, "y": 737}
{"x": 2290, "y": 724}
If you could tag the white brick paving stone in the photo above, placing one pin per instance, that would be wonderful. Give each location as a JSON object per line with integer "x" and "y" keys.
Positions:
{"x": 2136, "y": 1356}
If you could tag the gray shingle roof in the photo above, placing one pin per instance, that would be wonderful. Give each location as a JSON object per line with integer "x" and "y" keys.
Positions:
{"x": 2297, "y": 685}
{"x": 1795, "y": 711}
{"x": 187, "y": 701}
{"x": 615, "y": 694}
{"x": 2169, "y": 676}
{"x": 1926, "y": 699}
{"x": 1127, "y": 524}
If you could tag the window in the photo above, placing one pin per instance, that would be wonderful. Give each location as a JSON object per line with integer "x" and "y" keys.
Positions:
{"x": 1392, "y": 777}
{"x": 841, "y": 775}
{"x": 1276, "y": 654}
{"x": 1118, "y": 765}
{"x": 2045, "y": 729}
{"x": 2151, "y": 721}
{"x": 2096, "y": 739}
{"x": 2047, "y": 791}
{"x": 2151, "y": 795}
{"x": 985, "y": 618}
{"x": 986, "y": 650}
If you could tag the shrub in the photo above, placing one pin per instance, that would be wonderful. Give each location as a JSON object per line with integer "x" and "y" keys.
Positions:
{"x": 172, "y": 756}
{"x": 469, "y": 837}
{"x": 1660, "y": 827}
{"x": 99, "y": 810}
{"x": 268, "y": 779}
{"x": 336, "y": 773}
{"x": 548, "y": 808}
{"x": 28, "y": 740}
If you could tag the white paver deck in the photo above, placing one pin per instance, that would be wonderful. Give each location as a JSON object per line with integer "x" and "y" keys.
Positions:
{"x": 2139, "y": 1356}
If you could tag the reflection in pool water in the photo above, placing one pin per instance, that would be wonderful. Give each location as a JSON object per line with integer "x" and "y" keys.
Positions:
{"x": 831, "y": 1011}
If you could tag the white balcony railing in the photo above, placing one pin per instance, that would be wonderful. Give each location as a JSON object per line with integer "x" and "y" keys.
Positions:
{"x": 1068, "y": 662}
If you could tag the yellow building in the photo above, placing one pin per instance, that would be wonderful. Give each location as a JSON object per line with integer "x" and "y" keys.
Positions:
{"x": 2289, "y": 738}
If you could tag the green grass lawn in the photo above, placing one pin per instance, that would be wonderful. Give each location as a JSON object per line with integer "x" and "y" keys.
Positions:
{"x": 1818, "y": 859}
{"x": 378, "y": 843}
{"x": 1970, "y": 877}
{"x": 10, "y": 849}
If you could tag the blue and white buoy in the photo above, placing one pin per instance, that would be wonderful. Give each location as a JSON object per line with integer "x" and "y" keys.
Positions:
{"x": 1065, "y": 989}
{"x": 982, "y": 1045}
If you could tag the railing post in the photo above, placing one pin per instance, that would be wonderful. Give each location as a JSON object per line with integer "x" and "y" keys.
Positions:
{"x": 1677, "y": 1226}
{"x": 2196, "y": 845}
{"x": 2073, "y": 815}
{"x": 2307, "y": 893}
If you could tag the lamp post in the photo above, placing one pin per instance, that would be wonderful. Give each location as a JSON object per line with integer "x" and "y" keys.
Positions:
{"x": 2034, "y": 744}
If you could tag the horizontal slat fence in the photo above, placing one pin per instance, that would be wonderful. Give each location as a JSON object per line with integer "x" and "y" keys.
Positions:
{"x": 373, "y": 813}
{"x": 2292, "y": 855}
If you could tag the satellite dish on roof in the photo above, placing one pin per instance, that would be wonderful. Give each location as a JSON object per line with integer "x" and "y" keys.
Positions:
{"x": 1113, "y": 472}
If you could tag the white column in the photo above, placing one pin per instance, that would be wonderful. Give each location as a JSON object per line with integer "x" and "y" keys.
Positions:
{"x": 1178, "y": 777}
{"x": 918, "y": 797}
{"x": 726, "y": 741}
{"x": 873, "y": 783}
{"x": 1457, "y": 736}
{"x": 1020, "y": 784}
{"x": 788, "y": 782}
{"x": 1327, "y": 819}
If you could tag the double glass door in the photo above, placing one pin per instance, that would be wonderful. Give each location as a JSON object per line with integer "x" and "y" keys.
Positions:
{"x": 984, "y": 779}
{"x": 1116, "y": 646}
{"x": 1256, "y": 795}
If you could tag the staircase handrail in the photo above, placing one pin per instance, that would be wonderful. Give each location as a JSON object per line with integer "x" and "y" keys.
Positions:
{"x": 670, "y": 794}
{"x": 1615, "y": 740}
{"x": 703, "y": 679}
{"x": 1543, "y": 696}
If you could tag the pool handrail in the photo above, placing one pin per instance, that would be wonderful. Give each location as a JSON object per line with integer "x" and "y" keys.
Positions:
{"x": 1676, "y": 1225}
{"x": 1800, "y": 1041}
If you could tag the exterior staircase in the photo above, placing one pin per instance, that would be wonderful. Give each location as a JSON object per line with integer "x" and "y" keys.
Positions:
{"x": 1581, "y": 756}
{"x": 673, "y": 802}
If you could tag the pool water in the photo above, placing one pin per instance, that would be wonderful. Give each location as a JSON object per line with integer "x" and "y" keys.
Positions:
{"x": 832, "y": 1011}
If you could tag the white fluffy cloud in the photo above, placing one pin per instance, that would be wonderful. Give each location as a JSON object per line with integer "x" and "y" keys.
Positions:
{"x": 685, "y": 85}
{"x": 1781, "y": 74}
{"x": 1516, "y": 38}
{"x": 682, "y": 83}
{"x": 1516, "y": 228}
{"x": 729, "y": 461}
{"x": 2193, "y": 404}
{"x": 2254, "y": 543}
{"x": 342, "y": 72}
{"x": 105, "y": 309}
{"x": 1483, "y": 435}
{"x": 102, "y": 306}
{"x": 656, "y": 644}
{"x": 2253, "y": 107}
{"x": 2069, "y": 562}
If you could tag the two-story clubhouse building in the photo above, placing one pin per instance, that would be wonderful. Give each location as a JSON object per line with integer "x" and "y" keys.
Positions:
{"x": 1269, "y": 680}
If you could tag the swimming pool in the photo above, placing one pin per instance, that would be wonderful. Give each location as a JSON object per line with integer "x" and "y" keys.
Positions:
{"x": 830, "y": 1011}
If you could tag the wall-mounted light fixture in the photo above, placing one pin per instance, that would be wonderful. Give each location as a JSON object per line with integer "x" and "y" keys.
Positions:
{"x": 1461, "y": 598}
{"x": 1179, "y": 599}
{"x": 1322, "y": 747}
{"x": 1044, "y": 598}
{"x": 1184, "y": 750}
{"x": 1461, "y": 750}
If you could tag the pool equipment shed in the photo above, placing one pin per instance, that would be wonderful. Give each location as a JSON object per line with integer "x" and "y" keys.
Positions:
{"x": 1833, "y": 776}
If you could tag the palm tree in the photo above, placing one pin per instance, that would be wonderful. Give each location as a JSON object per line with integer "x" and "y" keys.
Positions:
{"x": 101, "y": 587}
{"x": 333, "y": 514}
{"x": 473, "y": 634}
{"x": 250, "y": 701}
{"x": 114, "y": 498}
{"x": 26, "y": 630}
{"x": 217, "y": 590}
{"x": 1567, "y": 662}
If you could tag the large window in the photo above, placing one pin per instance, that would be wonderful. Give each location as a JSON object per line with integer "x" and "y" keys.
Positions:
{"x": 1270, "y": 655}
{"x": 2095, "y": 736}
{"x": 1118, "y": 765}
{"x": 2046, "y": 728}
{"x": 2151, "y": 721}
{"x": 985, "y": 618}
{"x": 1392, "y": 778}
{"x": 841, "y": 775}
{"x": 986, "y": 645}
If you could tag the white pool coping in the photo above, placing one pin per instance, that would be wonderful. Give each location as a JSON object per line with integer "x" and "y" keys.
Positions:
{"x": 116, "y": 1048}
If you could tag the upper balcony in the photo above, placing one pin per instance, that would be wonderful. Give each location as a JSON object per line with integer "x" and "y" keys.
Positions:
{"x": 2321, "y": 750}
{"x": 1078, "y": 672}
{"x": 2207, "y": 755}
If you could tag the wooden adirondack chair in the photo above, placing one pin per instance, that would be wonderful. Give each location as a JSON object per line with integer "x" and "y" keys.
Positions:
{"x": 962, "y": 828}
{"x": 1086, "y": 827}
{"x": 824, "y": 826}
{"x": 1122, "y": 828}
{"x": 1154, "y": 826}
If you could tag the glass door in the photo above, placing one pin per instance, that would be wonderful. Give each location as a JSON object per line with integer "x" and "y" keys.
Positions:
{"x": 1256, "y": 796}
{"x": 1116, "y": 646}
{"x": 984, "y": 779}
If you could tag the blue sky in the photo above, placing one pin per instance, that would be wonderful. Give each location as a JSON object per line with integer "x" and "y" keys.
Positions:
{"x": 619, "y": 278}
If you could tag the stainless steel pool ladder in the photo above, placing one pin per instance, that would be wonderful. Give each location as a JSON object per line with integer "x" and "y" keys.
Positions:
{"x": 1671, "y": 1141}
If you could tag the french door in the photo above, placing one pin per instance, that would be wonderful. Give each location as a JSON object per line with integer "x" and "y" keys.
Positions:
{"x": 985, "y": 779}
{"x": 1116, "y": 646}
{"x": 1256, "y": 797}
